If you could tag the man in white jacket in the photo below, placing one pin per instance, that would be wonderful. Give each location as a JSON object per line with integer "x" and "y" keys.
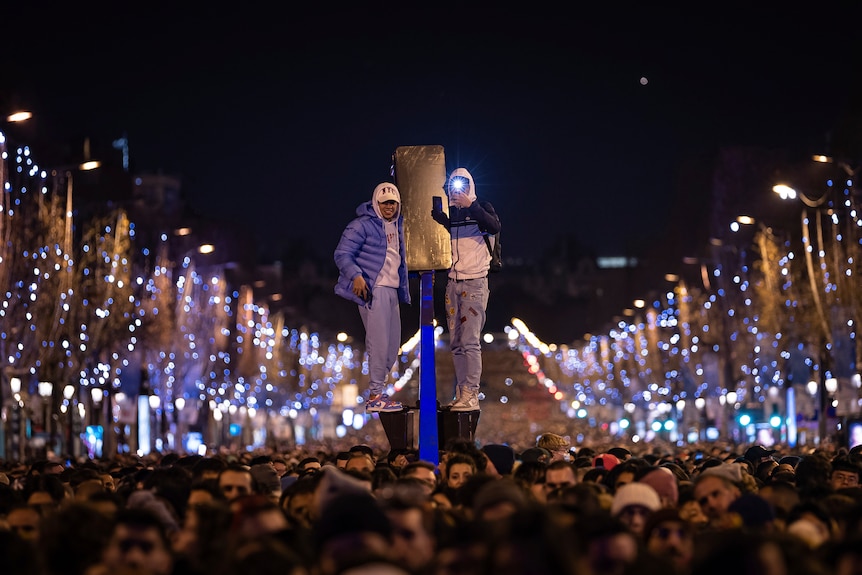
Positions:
{"x": 469, "y": 221}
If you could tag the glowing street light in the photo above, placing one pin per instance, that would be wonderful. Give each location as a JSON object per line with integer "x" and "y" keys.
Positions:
{"x": 21, "y": 116}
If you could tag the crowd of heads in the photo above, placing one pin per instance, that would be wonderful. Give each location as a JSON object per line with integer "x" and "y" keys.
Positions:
{"x": 553, "y": 507}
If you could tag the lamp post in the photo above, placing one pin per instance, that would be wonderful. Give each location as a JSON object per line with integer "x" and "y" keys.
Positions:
{"x": 46, "y": 392}
{"x": 69, "y": 408}
{"x": 19, "y": 418}
{"x": 700, "y": 405}
{"x": 97, "y": 395}
{"x": 155, "y": 408}
{"x": 179, "y": 405}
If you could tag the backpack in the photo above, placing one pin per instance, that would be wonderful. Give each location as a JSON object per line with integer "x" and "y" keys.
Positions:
{"x": 496, "y": 252}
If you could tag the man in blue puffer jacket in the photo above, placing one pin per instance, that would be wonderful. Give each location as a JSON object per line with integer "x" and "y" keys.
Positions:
{"x": 372, "y": 272}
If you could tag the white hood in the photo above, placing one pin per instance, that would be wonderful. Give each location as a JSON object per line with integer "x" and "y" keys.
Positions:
{"x": 384, "y": 192}
{"x": 471, "y": 187}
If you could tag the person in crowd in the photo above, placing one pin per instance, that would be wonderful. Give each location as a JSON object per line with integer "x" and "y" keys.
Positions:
{"x": 44, "y": 490}
{"x": 812, "y": 475}
{"x": 140, "y": 543}
{"x": 663, "y": 481}
{"x": 470, "y": 221}
{"x": 423, "y": 472}
{"x": 633, "y": 504}
{"x": 498, "y": 499}
{"x": 24, "y": 520}
{"x": 207, "y": 468}
{"x": 620, "y": 453}
{"x": 205, "y": 491}
{"x": 459, "y": 468}
{"x": 753, "y": 513}
{"x": 530, "y": 475}
{"x": 716, "y": 488}
{"x": 559, "y": 474}
{"x": 667, "y": 535}
{"x": 501, "y": 460}
{"x": 372, "y": 273}
{"x": 352, "y": 530}
{"x": 557, "y": 445}
{"x": 413, "y": 530}
{"x": 267, "y": 480}
{"x": 298, "y": 501}
{"x": 618, "y": 474}
{"x": 256, "y": 515}
{"x": 583, "y": 499}
{"x": 811, "y": 523}
{"x": 720, "y": 511}
{"x": 757, "y": 454}
{"x": 845, "y": 473}
{"x": 72, "y": 540}
{"x": 360, "y": 461}
{"x": 535, "y": 454}
{"x": 202, "y": 545}
{"x": 236, "y": 481}
{"x": 313, "y": 464}
{"x": 341, "y": 459}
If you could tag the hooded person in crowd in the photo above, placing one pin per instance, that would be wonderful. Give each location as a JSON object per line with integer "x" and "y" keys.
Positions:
{"x": 469, "y": 222}
{"x": 372, "y": 272}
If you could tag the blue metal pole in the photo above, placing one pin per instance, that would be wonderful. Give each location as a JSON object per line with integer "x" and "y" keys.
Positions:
{"x": 428, "y": 442}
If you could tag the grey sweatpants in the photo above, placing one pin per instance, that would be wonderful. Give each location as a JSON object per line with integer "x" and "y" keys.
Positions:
{"x": 382, "y": 320}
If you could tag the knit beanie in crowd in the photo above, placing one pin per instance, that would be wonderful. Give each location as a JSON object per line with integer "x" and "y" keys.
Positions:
{"x": 502, "y": 456}
{"x": 635, "y": 494}
{"x": 729, "y": 471}
{"x": 664, "y": 482}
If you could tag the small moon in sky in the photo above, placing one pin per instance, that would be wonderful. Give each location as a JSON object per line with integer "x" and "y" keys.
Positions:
{"x": 644, "y": 81}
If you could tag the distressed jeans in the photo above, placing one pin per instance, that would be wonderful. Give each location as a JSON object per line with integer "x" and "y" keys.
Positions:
{"x": 466, "y": 302}
{"x": 382, "y": 320}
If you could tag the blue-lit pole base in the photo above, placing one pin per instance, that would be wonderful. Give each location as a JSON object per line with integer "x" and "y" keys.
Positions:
{"x": 428, "y": 439}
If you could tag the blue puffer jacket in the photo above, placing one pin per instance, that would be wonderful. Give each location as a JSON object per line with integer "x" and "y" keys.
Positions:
{"x": 362, "y": 249}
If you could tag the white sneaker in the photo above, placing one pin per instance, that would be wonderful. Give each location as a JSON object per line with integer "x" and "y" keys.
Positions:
{"x": 382, "y": 403}
{"x": 467, "y": 401}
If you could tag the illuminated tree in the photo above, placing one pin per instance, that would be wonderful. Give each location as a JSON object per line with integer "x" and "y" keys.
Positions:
{"x": 199, "y": 356}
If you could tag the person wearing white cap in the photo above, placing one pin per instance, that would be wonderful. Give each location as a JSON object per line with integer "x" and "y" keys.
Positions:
{"x": 372, "y": 272}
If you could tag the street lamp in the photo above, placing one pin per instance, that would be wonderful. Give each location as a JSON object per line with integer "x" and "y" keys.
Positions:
{"x": 156, "y": 440}
{"x": 17, "y": 418}
{"x": 21, "y": 116}
{"x": 68, "y": 407}
{"x": 179, "y": 405}
{"x": 46, "y": 392}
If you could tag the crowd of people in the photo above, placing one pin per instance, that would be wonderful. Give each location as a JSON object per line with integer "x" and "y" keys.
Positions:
{"x": 549, "y": 508}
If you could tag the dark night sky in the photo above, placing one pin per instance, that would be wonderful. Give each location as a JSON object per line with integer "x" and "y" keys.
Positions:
{"x": 286, "y": 120}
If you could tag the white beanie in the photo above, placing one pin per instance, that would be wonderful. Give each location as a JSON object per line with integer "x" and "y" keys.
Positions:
{"x": 635, "y": 494}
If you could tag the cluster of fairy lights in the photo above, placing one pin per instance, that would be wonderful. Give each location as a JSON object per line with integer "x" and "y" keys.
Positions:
{"x": 229, "y": 354}
{"x": 223, "y": 350}
{"x": 668, "y": 356}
